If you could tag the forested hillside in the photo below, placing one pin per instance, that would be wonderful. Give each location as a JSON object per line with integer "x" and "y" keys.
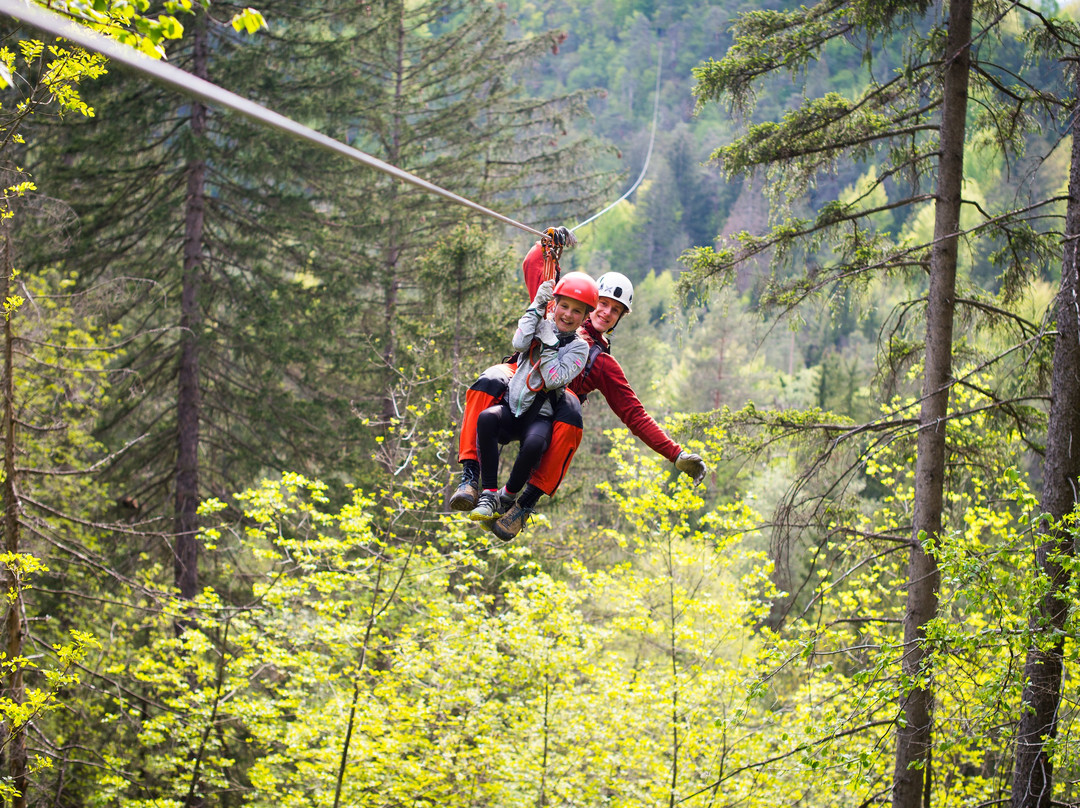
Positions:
{"x": 235, "y": 367}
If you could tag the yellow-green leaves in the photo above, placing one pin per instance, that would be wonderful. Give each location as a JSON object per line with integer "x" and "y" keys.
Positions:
{"x": 248, "y": 20}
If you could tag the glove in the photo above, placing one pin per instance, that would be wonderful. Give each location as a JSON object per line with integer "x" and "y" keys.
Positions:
{"x": 544, "y": 295}
{"x": 692, "y": 465}
{"x": 561, "y": 237}
{"x": 545, "y": 332}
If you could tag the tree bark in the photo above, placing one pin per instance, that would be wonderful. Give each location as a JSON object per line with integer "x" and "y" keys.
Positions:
{"x": 912, "y": 772}
{"x": 188, "y": 403}
{"x": 1033, "y": 771}
{"x": 392, "y": 245}
{"x": 14, "y": 632}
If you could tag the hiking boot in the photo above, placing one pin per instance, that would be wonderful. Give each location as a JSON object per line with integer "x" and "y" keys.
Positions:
{"x": 511, "y": 523}
{"x": 464, "y": 499}
{"x": 487, "y": 507}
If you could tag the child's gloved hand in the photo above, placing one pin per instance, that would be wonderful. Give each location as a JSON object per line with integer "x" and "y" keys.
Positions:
{"x": 545, "y": 332}
{"x": 544, "y": 295}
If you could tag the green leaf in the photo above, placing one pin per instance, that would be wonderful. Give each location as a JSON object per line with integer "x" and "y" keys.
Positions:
{"x": 249, "y": 19}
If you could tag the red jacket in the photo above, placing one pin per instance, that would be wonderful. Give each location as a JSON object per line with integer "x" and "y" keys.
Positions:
{"x": 606, "y": 375}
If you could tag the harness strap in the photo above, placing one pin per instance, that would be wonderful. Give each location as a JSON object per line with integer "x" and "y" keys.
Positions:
{"x": 594, "y": 351}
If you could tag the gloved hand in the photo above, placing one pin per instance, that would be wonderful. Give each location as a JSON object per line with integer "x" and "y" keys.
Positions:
{"x": 692, "y": 465}
{"x": 545, "y": 332}
{"x": 561, "y": 236}
{"x": 544, "y": 295}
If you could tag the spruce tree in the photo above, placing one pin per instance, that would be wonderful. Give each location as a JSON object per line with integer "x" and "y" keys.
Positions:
{"x": 295, "y": 289}
{"x": 1044, "y": 667}
{"x": 909, "y": 117}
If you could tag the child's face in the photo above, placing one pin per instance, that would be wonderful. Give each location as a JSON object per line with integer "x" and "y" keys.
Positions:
{"x": 569, "y": 313}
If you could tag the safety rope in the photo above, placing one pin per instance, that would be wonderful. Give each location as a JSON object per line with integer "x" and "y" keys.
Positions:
{"x": 550, "y": 272}
{"x": 648, "y": 153}
{"x": 552, "y": 254}
{"x": 534, "y": 366}
{"x": 58, "y": 25}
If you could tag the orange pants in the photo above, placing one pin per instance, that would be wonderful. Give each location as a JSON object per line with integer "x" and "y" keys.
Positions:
{"x": 565, "y": 433}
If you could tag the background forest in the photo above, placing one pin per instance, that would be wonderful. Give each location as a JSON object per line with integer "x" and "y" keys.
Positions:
{"x": 234, "y": 365}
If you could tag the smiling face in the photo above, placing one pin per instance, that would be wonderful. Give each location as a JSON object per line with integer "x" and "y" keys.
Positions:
{"x": 569, "y": 314}
{"x": 607, "y": 314}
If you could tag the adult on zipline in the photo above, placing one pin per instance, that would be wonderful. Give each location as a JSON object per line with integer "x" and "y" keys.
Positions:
{"x": 602, "y": 373}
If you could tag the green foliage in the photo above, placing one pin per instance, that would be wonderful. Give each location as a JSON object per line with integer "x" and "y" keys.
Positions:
{"x": 644, "y": 642}
{"x": 771, "y": 41}
{"x": 60, "y": 383}
{"x": 833, "y": 673}
{"x": 439, "y": 674}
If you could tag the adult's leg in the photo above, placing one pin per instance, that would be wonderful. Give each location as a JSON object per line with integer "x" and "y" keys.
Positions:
{"x": 482, "y": 393}
{"x": 534, "y": 441}
{"x": 565, "y": 439}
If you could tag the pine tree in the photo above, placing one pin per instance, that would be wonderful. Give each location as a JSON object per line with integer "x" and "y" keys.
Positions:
{"x": 295, "y": 289}
{"x": 50, "y": 385}
{"x": 910, "y": 115}
{"x": 1033, "y": 776}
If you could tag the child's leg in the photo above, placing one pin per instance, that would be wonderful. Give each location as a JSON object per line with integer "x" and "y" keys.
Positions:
{"x": 534, "y": 440}
{"x": 489, "y": 426}
{"x": 483, "y": 393}
{"x": 533, "y": 444}
{"x": 566, "y": 437}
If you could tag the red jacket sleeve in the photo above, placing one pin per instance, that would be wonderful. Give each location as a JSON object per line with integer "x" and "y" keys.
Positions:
{"x": 533, "y": 269}
{"x": 607, "y": 376}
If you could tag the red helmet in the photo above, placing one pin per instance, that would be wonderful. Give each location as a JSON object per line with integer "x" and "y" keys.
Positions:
{"x": 578, "y": 286}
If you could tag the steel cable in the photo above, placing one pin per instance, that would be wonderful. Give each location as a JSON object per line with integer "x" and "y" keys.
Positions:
{"x": 58, "y": 25}
{"x": 195, "y": 87}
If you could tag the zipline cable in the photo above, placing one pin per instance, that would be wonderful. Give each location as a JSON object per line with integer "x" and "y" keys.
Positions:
{"x": 648, "y": 153}
{"x": 58, "y": 25}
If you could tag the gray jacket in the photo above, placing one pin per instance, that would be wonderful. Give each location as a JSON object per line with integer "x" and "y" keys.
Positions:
{"x": 556, "y": 367}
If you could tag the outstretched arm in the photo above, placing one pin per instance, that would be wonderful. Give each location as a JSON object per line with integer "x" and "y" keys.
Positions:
{"x": 532, "y": 268}
{"x": 612, "y": 383}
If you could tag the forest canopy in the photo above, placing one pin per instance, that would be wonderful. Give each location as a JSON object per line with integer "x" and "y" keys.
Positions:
{"x": 817, "y": 543}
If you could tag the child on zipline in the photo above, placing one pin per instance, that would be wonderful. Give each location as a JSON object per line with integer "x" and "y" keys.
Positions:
{"x": 550, "y": 355}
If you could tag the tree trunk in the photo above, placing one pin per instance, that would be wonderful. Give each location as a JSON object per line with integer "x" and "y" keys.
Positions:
{"x": 912, "y": 773}
{"x": 1033, "y": 773}
{"x": 392, "y": 249}
{"x": 188, "y": 399}
{"x": 14, "y": 645}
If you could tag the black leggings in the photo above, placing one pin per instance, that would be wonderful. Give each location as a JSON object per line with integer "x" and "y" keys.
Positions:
{"x": 497, "y": 425}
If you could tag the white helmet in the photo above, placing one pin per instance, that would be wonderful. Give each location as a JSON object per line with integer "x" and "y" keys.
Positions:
{"x": 618, "y": 287}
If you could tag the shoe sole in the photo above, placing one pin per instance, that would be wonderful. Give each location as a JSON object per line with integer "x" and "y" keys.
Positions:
{"x": 502, "y": 534}
{"x": 460, "y": 502}
{"x": 480, "y": 517}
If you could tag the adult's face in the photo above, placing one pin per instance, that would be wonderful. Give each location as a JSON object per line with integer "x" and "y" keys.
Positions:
{"x": 606, "y": 314}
